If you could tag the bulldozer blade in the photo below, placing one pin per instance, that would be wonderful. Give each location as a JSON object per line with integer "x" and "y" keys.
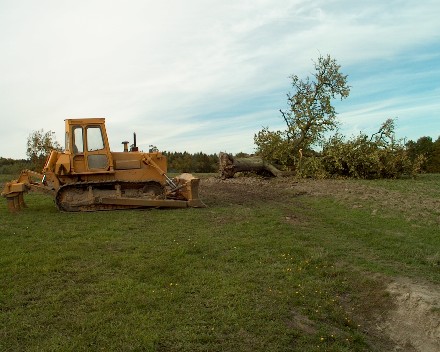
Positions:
{"x": 189, "y": 190}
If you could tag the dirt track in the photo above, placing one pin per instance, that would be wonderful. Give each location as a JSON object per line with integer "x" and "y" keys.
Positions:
{"x": 413, "y": 324}
{"x": 249, "y": 190}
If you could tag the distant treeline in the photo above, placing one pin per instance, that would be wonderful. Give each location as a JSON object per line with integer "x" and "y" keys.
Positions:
{"x": 12, "y": 166}
{"x": 177, "y": 162}
{"x": 186, "y": 162}
{"x": 431, "y": 150}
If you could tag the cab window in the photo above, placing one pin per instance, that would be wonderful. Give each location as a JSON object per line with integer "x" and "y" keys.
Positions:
{"x": 78, "y": 140}
{"x": 94, "y": 139}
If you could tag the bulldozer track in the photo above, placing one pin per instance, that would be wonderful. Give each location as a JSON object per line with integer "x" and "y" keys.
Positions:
{"x": 87, "y": 196}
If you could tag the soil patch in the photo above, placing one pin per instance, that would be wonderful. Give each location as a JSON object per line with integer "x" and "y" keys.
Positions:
{"x": 414, "y": 323}
{"x": 248, "y": 190}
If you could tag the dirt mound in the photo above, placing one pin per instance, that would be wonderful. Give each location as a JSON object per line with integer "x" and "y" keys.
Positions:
{"x": 414, "y": 323}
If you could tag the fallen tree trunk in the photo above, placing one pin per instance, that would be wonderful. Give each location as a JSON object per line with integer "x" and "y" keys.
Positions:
{"x": 230, "y": 166}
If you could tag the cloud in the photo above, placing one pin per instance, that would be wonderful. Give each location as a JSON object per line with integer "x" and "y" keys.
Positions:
{"x": 205, "y": 75}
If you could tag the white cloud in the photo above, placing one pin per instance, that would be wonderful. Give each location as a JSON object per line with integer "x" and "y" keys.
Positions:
{"x": 170, "y": 70}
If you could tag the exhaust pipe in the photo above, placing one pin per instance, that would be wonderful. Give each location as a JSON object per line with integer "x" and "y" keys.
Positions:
{"x": 133, "y": 147}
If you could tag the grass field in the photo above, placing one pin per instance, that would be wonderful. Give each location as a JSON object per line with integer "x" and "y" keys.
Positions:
{"x": 270, "y": 266}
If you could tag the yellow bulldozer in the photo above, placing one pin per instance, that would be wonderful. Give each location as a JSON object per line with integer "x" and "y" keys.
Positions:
{"x": 87, "y": 176}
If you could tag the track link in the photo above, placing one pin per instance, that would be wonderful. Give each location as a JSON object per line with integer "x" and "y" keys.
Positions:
{"x": 86, "y": 196}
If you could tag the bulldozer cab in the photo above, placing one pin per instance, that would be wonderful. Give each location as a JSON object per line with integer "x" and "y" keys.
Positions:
{"x": 87, "y": 144}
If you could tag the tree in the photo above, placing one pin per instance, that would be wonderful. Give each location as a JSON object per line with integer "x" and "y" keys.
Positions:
{"x": 39, "y": 145}
{"x": 435, "y": 157}
{"x": 309, "y": 115}
{"x": 429, "y": 149}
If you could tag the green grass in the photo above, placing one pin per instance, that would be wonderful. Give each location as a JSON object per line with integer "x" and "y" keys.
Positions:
{"x": 293, "y": 276}
{"x": 422, "y": 185}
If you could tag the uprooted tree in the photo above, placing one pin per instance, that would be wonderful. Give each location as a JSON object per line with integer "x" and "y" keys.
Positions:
{"x": 380, "y": 155}
{"x": 309, "y": 115}
{"x": 230, "y": 165}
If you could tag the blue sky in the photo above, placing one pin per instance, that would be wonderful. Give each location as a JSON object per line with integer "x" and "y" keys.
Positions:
{"x": 202, "y": 75}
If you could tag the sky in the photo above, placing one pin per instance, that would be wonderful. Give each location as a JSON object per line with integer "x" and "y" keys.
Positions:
{"x": 202, "y": 75}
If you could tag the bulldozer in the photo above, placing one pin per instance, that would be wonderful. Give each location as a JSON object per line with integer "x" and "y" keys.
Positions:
{"x": 87, "y": 176}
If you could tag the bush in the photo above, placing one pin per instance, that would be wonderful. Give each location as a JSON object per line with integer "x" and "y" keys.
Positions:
{"x": 378, "y": 156}
{"x": 312, "y": 167}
